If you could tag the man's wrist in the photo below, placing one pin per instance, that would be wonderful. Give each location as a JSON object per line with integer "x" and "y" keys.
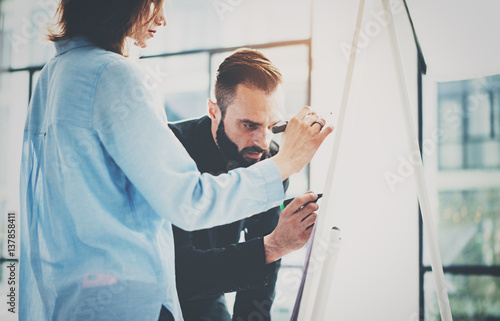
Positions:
{"x": 285, "y": 167}
{"x": 272, "y": 251}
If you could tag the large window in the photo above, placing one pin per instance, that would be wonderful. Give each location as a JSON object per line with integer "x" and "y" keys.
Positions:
{"x": 468, "y": 187}
{"x": 469, "y": 115}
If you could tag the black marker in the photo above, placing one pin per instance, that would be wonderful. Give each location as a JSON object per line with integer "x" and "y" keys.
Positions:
{"x": 279, "y": 127}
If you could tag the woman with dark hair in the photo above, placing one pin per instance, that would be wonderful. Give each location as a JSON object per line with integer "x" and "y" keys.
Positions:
{"x": 108, "y": 24}
{"x": 103, "y": 177}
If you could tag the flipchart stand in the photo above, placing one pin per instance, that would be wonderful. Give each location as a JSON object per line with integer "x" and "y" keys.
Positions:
{"x": 312, "y": 297}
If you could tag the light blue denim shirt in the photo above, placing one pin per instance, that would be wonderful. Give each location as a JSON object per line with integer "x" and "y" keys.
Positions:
{"x": 102, "y": 179}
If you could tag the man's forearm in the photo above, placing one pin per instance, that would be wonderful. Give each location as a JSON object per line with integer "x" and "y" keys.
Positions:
{"x": 273, "y": 251}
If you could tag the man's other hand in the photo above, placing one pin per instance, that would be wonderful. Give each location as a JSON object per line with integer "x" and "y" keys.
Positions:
{"x": 294, "y": 227}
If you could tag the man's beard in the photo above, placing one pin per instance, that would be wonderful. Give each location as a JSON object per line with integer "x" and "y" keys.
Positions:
{"x": 230, "y": 151}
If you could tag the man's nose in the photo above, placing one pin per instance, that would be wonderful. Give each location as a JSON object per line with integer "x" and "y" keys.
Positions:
{"x": 262, "y": 138}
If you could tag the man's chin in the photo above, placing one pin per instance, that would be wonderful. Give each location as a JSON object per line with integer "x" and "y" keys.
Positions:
{"x": 251, "y": 161}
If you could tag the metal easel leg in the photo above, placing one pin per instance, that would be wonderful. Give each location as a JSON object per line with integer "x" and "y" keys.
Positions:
{"x": 306, "y": 300}
{"x": 411, "y": 135}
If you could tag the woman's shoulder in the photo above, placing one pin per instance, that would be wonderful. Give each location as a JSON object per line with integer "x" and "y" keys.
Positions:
{"x": 117, "y": 65}
{"x": 107, "y": 60}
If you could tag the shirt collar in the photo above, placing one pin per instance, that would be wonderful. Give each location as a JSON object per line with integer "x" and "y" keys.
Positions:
{"x": 63, "y": 46}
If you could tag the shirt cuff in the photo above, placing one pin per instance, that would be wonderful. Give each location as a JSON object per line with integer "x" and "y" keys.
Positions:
{"x": 272, "y": 179}
{"x": 256, "y": 262}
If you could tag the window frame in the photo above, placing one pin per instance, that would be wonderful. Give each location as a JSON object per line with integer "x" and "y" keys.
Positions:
{"x": 452, "y": 269}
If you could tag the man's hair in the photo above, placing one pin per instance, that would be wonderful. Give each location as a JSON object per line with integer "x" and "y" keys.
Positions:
{"x": 248, "y": 67}
{"x": 104, "y": 22}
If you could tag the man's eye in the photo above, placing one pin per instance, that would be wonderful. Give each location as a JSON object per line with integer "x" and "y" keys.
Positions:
{"x": 250, "y": 126}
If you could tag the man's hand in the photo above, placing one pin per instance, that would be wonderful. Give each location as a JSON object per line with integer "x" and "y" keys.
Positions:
{"x": 303, "y": 135}
{"x": 294, "y": 228}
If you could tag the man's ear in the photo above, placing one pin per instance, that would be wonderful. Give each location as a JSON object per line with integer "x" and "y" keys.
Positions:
{"x": 213, "y": 110}
{"x": 215, "y": 117}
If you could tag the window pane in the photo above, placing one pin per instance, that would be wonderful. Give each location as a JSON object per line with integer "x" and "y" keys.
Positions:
{"x": 183, "y": 83}
{"x": 201, "y": 24}
{"x": 478, "y": 112}
{"x": 469, "y": 113}
{"x": 25, "y": 25}
{"x": 483, "y": 154}
{"x": 496, "y": 113}
{"x": 451, "y": 156}
{"x": 471, "y": 298}
{"x": 469, "y": 227}
{"x": 450, "y": 119}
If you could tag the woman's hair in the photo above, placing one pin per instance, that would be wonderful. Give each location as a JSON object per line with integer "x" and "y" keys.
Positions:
{"x": 104, "y": 22}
